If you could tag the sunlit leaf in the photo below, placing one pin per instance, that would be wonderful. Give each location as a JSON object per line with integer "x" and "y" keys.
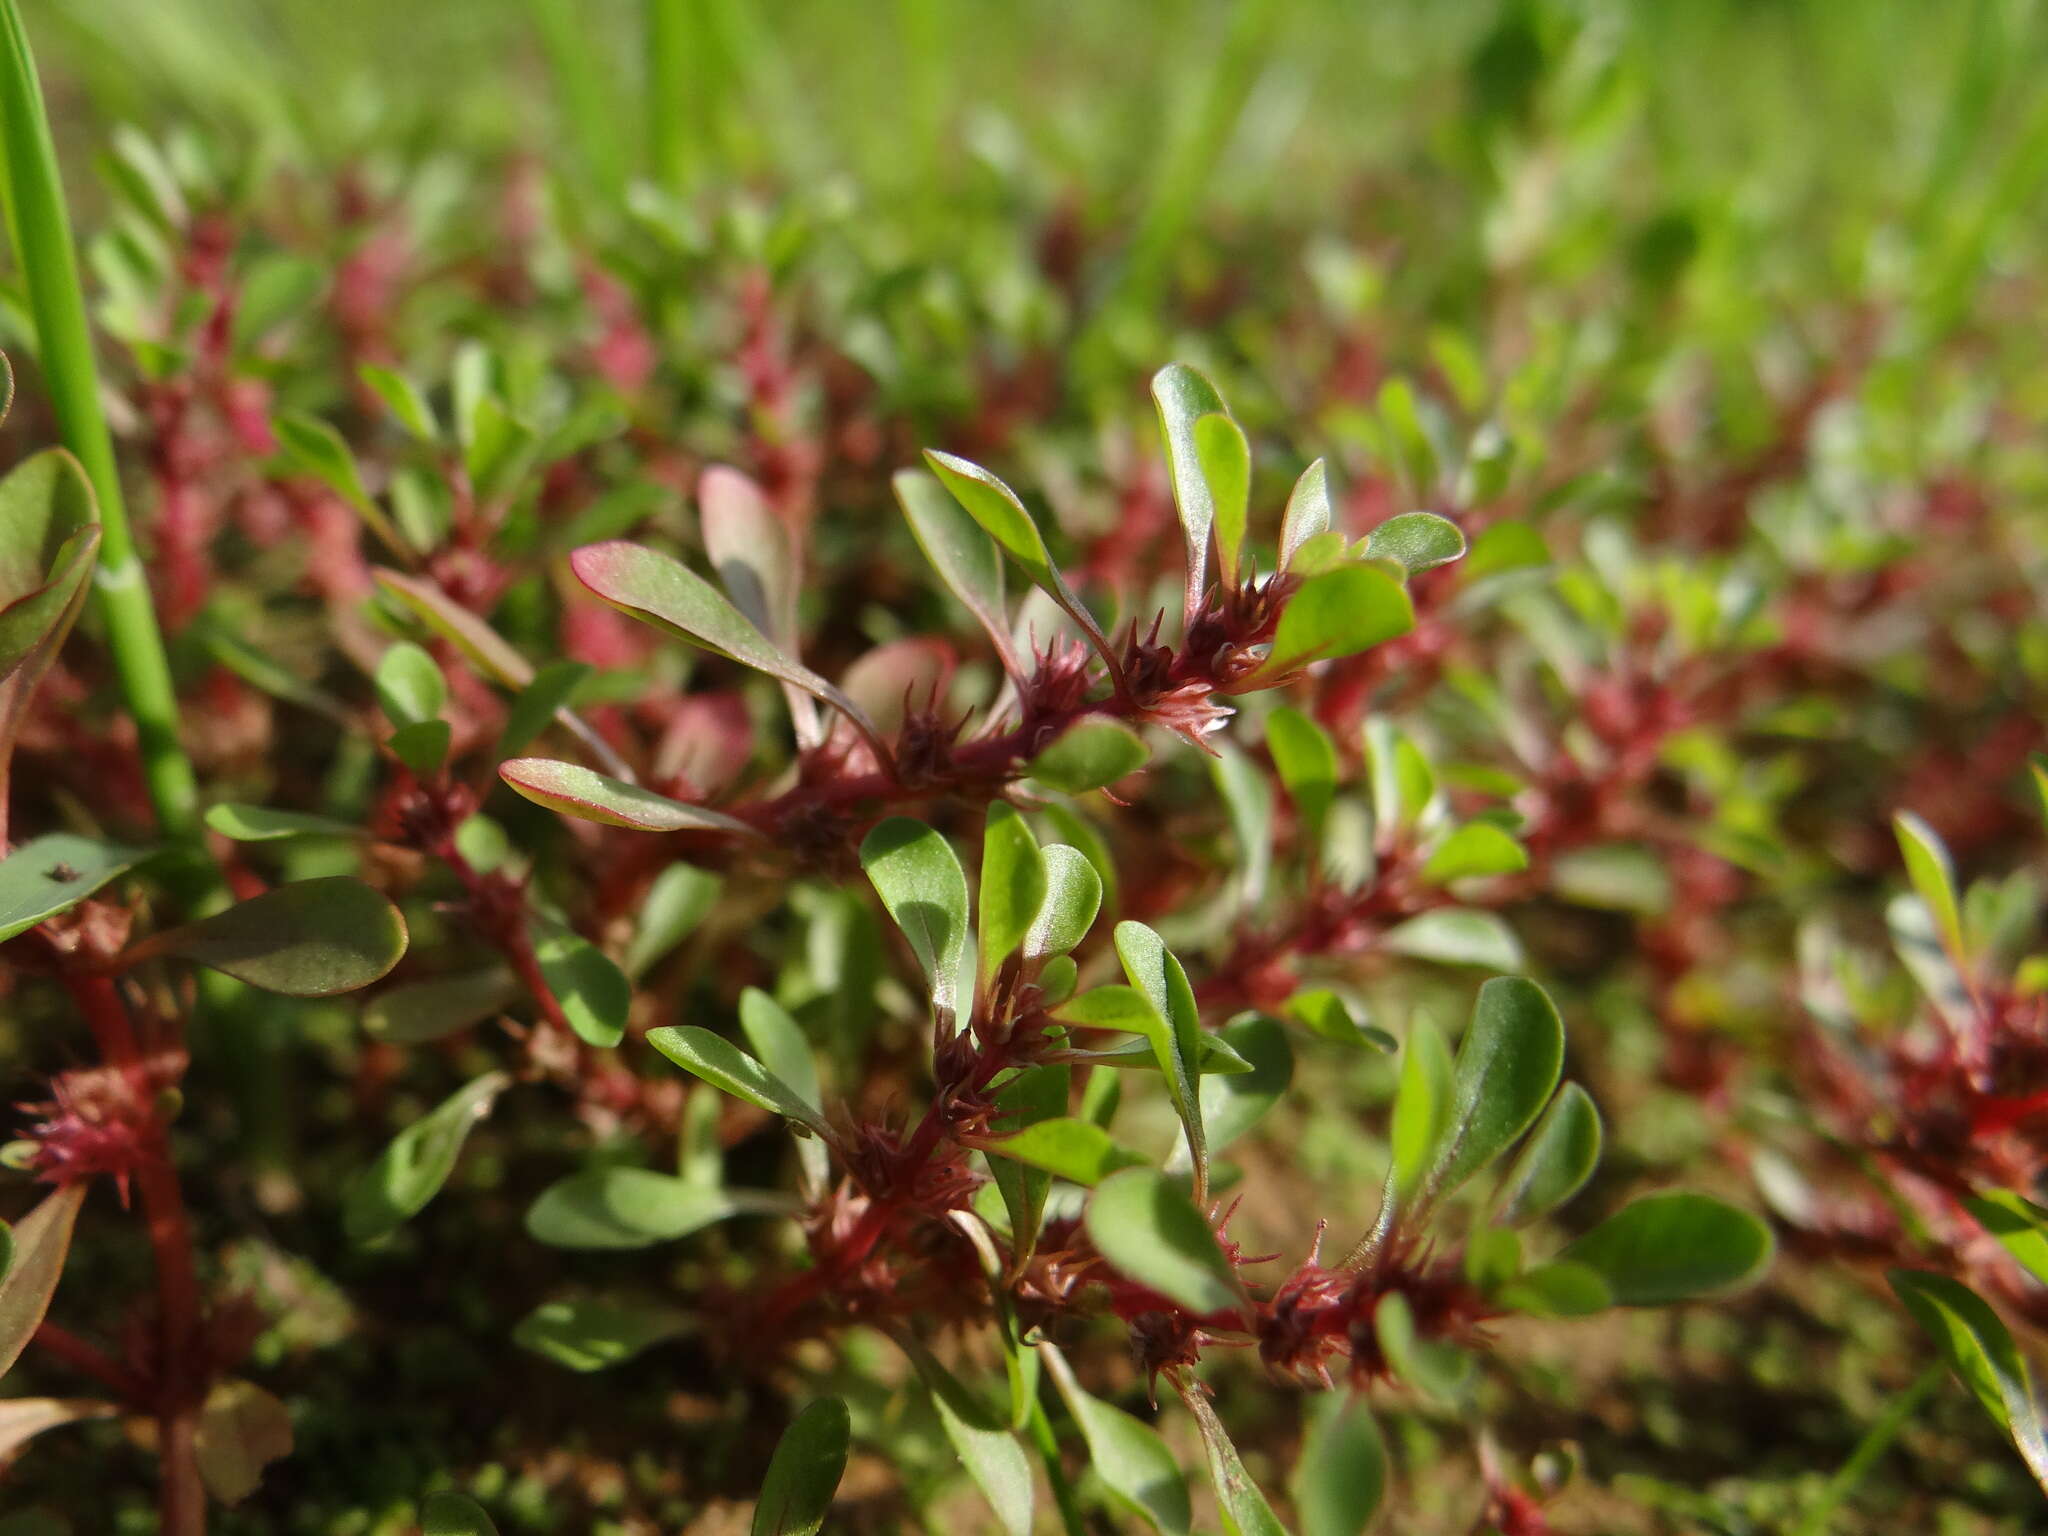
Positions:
{"x": 1089, "y": 754}
{"x": 987, "y": 1449}
{"x": 1306, "y": 760}
{"x": 1507, "y": 1068}
{"x": 1226, "y": 463}
{"x": 1335, "y": 614}
{"x": 1476, "y": 849}
{"x": 1243, "y": 1507}
{"x": 1980, "y": 1350}
{"x": 1013, "y": 883}
{"x": 1175, "y": 1028}
{"x": 593, "y": 993}
{"x": 1933, "y": 877}
{"x": 918, "y": 877}
{"x": 724, "y": 1065}
{"x": 1069, "y": 1149}
{"x": 1073, "y": 897}
{"x": 592, "y": 1335}
{"x": 241, "y": 1430}
{"x": 1419, "y": 541}
{"x": 1184, "y": 396}
{"x": 1667, "y": 1248}
{"x": 412, "y": 1169}
{"x": 966, "y": 558}
{"x": 1308, "y": 512}
{"x": 1560, "y": 1156}
{"x": 1149, "y": 1231}
{"x": 53, "y": 873}
{"x": 592, "y": 796}
{"x": 1457, "y": 936}
{"x": 1126, "y": 1453}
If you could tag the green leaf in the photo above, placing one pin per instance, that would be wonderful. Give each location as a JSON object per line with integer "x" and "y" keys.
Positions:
{"x": 1247, "y": 796}
{"x": 1089, "y": 754}
{"x": 1234, "y": 1102}
{"x": 48, "y": 543}
{"x": 918, "y": 877}
{"x": 41, "y": 1240}
{"x": 965, "y": 557}
{"x": 450, "y": 1514}
{"x": 1325, "y": 1014}
{"x": 410, "y": 687}
{"x": 434, "y": 1009}
{"x": 589, "y": 795}
{"x": 1126, "y": 1453}
{"x": 422, "y": 746}
{"x": 1184, "y": 397}
{"x": 592, "y": 1335}
{"x": 1003, "y": 517}
{"x": 606, "y": 1208}
{"x": 1493, "y": 1258}
{"x": 1340, "y": 1473}
{"x": 1508, "y": 1067}
{"x": 1933, "y": 877}
{"x": 538, "y": 703}
{"x": 1418, "y": 541}
{"x": 241, "y": 1430}
{"x": 1403, "y": 782}
{"x": 314, "y": 448}
{"x": 1035, "y": 1095}
{"x": 481, "y": 646}
{"x": 1174, "y": 1027}
{"x": 1557, "y": 1290}
{"x": 1477, "y": 848}
{"x": 411, "y": 1171}
{"x": 1226, "y": 462}
{"x": 1244, "y": 1509}
{"x": 2019, "y": 1225}
{"x": 1560, "y": 1156}
{"x": 1308, "y": 512}
{"x": 312, "y": 938}
{"x": 1306, "y": 760}
{"x": 262, "y": 824}
{"x": 724, "y": 1065}
{"x": 1335, "y": 614}
{"x": 1431, "y": 1366}
{"x": 1149, "y": 1231}
{"x": 779, "y": 1041}
{"x": 1613, "y": 877}
{"x": 1069, "y": 1149}
{"x": 804, "y": 1472}
{"x": 405, "y": 400}
{"x": 1980, "y": 1350}
{"x": 1013, "y": 887}
{"x": 680, "y": 898}
{"x": 1456, "y": 936}
{"x": 988, "y": 1451}
{"x": 1422, "y": 1106}
{"x": 1073, "y": 897}
{"x": 593, "y": 993}
{"x": 752, "y": 550}
{"x": 54, "y": 873}
{"x": 662, "y": 591}
{"x": 1668, "y": 1248}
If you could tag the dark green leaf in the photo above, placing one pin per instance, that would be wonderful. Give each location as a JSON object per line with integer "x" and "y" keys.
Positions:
{"x": 1508, "y": 1066}
{"x": 1174, "y": 1027}
{"x": 988, "y": 1451}
{"x": 422, "y": 746}
{"x": 1149, "y": 1231}
{"x": 724, "y": 1065}
{"x": 1560, "y": 1156}
{"x": 440, "y": 1006}
{"x": 1557, "y": 1290}
{"x": 1126, "y": 1453}
{"x": 1980, "y": 1350}
{"x": 965, "y": 557}
{"x": 1243, "y": 1507}
{"x": 804, "y": 1472}
{"x": 1089, "y": 754}
{"x": 1341, "y": 1471}
{"x": 537, "y": 704}
{"x": 1306, "y": 759}
{"x": 1232, "y": 1103}
{"x": 312, "y": 938}
{"x": 450, "y": 1514}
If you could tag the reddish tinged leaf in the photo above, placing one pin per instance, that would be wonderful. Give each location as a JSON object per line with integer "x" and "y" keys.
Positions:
{"x": 41, "y": 1240}
{"x": 591, "y": 796}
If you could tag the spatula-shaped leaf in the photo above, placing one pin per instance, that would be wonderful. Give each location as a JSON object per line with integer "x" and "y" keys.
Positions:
{"x": 1150, "y": 1231}
{"x": 1457, "y": 936}
{"x": 1226, "y": 460}
{"x": 410, "y": 687}
{"x": 662, "y": 591}
{"x": 1126, "y": 1453}
{"x": 1561, "y": 1155}
{"x": 1243, "y": 1507}
{"x": 589, "y": 795}
{"x": 1089, "y": 754}
{"x": 780, "y": 1043}
{"x": 760, "y": 566}
{"x": 804, "y": 1472}
{"x": 1476, "y": 849}
{"x": 452, "y": 1514}
{"x": 1003, "y": 517}
{"x": 724, "y": 1065}
{"x": 592, "y": 1335}
{"x": 41, "y": 1240}
{"x": 1422, "y": 1106}
{"x": 53, "y": 873}
{"x": 1176, "y": 1030}
{"x": 1667, "y": 1248}
{"x": 592, "y": 992}
{"x": 1066, "y": 1148}
{"x": 1334, "y": 614}
{"x": 1184, "y": 397}
{"x": 966, "y": 558}
{"x": 1073, "y": 897}
{"x": 1419, "y": 541}
{"x": 1013, "y": 882}
{"x": 624, "y": 1208}
{"x": 1341, "y": 1473}
{"x": 1508, "y": 1066}
{"x": 918, "y": 877}
{"x": 411, "y": 1171}
{"x": 312, "y": 938}
{"x": 1308, "y": 512}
